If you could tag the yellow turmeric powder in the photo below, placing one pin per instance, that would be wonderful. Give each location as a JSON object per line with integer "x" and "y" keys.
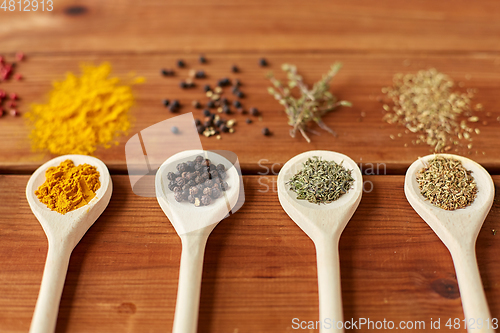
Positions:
{"x": 68, "y": 187}
{"x": 82, "y": 113}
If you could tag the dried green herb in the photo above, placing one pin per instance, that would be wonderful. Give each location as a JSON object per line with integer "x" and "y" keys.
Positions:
{"x": 311, "y": 105}
{"x": 447, "y": 184}
{"x": 321, "y": 181}
{"x": 425, "y": 104}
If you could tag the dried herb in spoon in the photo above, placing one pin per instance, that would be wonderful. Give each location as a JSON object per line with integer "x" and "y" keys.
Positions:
{"x": 321, "y": 181}
{"x": 447, "y": 184}
{"x": 312, "y": 103}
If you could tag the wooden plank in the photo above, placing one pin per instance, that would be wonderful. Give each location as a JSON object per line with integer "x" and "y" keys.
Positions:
{"x": 260, "y": 268}
{"x": 203, "y": 26}
{"x": 365, "y": 139}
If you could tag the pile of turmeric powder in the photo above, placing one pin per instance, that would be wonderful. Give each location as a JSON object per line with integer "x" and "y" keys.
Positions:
{"x": 68, "y": 187}
{"x": 83, "y": 112}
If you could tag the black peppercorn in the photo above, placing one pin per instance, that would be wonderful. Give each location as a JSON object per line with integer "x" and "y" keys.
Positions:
{"x": 206, "y": 88}
{"x": 175, "y": 103}
{"x": 181, "y": 63}
{"x": 185, "y": 187}
{"x": 183, "y": 85}
{"x": 185, "y": 194}
{"x": 191, "y": 199}
{"x": 214, "y": 174}
{"x": 248, "y": 121}
{"x": 216, "y": 185}
{"x": 220, "y": 167}
{"x": 172, "y": 185}
{"x": 266, "y": 131}
{"x": 206, "y": 113}
{"x": 202, "y": 59}
{"x": 180, "y": 181}
{"x": 210, "y": 104}
{"x": 236, "y": 83}
{"x": 178, "y": 196}
{"x": 190, "y": 165}
{"x": 207, "y": 191}
{"x": 199, "y": 159}
{"x": 216, "y": 193}
{"x": 197, "y": 122}
{"x": 208, "y": 182}
{"x": 200, "y": 188}
{"x": 222, "y": 175}
{"x": 224, "y": 101}
{"x": 200, "y": 129}
{"x": 184, "y": 173}
{"x": 206, "y": 200}
{"x": 171, "y": 176}
{"x": 175, "y": 129}
{"x": 224, "y": 128}
{"x": 199, "y": 180}
{"x": 263, "y": 62}
{"x": 226, "y": 109}
{"x": 167, "y": 72}
{"x": 237, "y": 104}
{"x": 219, "y": 122}
{"x": 200, "y": 75}
{"x": 239, "y": 94}
{"x": 181, "y": 167}
{"x": 177, "y": 189}
{"x": 224, "y": 82}
{"x": 224, "y": 186}
{"x": 191, "y": 182}
{"x": 166, "y": 102}
{"x": 254, "y": 112}
{"x": 235, "y": 69}
{"x": 208, "y": 123}
{"x": 193, "y": 191}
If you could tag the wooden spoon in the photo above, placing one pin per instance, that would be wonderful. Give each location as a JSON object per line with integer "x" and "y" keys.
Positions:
{"x": 458, "y": 230}
{"x": 194, "y": 225}
{"x": 323, "y": 224}
{"x": 63, "y": 233}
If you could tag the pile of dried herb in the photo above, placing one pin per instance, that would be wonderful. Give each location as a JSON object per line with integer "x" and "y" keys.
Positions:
{"x": 321, "y": 181}
{"x": 425, "y": 104}
{"x": 447, "y": 184}
{"x": 311, "y": 105}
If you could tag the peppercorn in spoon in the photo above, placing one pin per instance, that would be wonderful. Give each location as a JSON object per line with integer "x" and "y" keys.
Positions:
{"x": 323, "y": 223}
{"x": 458, "y": 230}
{"x": 194, "y": 224}
{"x": 63, "y": 234}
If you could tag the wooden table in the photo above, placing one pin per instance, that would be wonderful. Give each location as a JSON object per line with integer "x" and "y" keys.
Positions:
{"x": 260, "y": 268}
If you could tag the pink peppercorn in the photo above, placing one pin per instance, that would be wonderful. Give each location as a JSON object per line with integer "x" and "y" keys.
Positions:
{"x": 14, "y": 112}
{"x": 18, "y": 77}
{"x": 19, "y": 56}
{"x": 2, "y": 94}
{"x": 13, "y": 96}
{"x": 1, "y": 112}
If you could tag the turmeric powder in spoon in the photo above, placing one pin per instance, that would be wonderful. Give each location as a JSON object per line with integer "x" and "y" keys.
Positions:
{"x": 68, "y": 187}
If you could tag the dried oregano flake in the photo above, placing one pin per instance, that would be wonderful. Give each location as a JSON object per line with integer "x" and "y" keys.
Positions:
{"x": 447, "y": 184}
{"x": 321, "y": 181}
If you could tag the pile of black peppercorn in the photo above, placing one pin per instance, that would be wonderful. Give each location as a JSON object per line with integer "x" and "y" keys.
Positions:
{"x": 198, "y": 182}
{"x": 211, "y": 123}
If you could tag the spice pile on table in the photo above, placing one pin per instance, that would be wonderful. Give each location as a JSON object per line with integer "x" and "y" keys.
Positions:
{"x": 217, "y": 108}
{"x": 8, "y": 101}
{"x": 199, "y": 181}
{"x": 447, "y": 184}
{"x": 82, "y": 113}
{"x": 68, "y": 187}
{"x": 321, "y": 181}
{"x": 425, "y": 104}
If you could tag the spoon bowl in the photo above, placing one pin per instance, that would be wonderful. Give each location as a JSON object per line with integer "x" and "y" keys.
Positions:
{"x": 458, "y": 230}
{"x": 63, "y": 234}
{"x": 194, "y": 225}
{"x": 324, "y": 224}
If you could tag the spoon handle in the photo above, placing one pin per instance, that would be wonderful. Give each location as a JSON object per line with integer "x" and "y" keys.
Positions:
{"x": 474, "y": 302}
{"x": 330, "y": 293}
{"x": 47, "y": 306}
{"x": 188, "y": 290}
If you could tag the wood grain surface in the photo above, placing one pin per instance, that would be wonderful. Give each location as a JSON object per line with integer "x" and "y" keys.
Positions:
{"x": 259, "y": 272}
{"x": 366, "y": 139}
{"x": 260, "y": 268}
